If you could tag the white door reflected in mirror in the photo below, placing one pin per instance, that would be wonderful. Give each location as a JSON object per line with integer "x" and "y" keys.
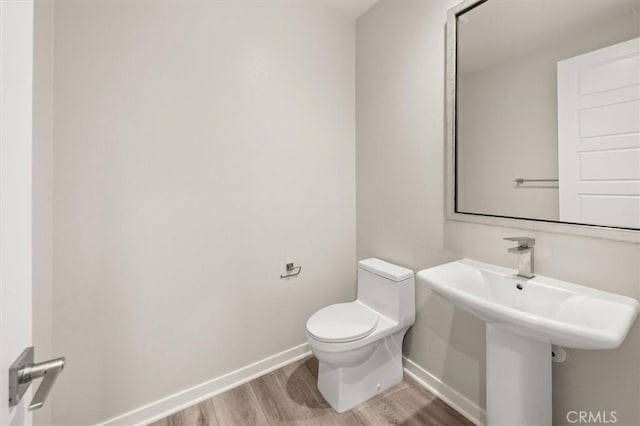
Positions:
{"x": 599, "y": 136}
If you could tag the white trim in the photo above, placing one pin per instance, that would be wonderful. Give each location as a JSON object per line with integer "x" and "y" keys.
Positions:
{"x": 179, "y": 401}
{"x": 452, "y": 397}
{"x": 601, "y": 232}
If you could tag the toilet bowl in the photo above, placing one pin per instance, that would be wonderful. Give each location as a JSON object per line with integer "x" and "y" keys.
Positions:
{"x": 359, "y": 344}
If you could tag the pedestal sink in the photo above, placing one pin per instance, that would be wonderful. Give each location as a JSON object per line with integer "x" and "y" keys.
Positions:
{"x": 524, "y": 318}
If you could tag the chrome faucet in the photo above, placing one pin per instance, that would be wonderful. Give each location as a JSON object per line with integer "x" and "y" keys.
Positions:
{"x": 524, "y": 250}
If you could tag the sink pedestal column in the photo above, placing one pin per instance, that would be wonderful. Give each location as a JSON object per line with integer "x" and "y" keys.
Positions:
{"x": 518, "y": 379}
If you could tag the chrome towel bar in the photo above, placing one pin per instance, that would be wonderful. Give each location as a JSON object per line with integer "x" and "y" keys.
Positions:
{"x": 520, "y": 181}
{"x": 543, "y": 183}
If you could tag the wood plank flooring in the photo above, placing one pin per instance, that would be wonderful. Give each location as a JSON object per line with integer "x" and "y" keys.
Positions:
{"x": 289, "y": 396}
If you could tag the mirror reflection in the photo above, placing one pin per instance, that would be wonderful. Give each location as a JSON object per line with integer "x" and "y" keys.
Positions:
{"x": 548, "y": 111}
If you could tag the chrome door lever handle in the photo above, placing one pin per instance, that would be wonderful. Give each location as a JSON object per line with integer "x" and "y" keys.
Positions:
{"x": 24, "y": 371}
{"x": 49, "y": 372}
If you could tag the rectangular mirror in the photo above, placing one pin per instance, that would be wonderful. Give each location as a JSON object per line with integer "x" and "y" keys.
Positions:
{"x": 544, "y": 111}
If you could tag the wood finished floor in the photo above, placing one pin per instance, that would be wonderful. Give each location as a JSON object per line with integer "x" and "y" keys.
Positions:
{"x": 289, "y": 396}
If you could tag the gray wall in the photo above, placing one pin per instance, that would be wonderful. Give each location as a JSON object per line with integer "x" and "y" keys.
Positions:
{"x": 400, "y": 218}
{"x": 198, "y": 147}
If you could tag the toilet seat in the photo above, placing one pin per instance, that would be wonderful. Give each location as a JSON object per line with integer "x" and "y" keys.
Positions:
{"x": 342, "y": 322}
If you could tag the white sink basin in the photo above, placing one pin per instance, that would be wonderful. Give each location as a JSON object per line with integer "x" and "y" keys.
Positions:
{"x": 524, "y": 317}
{"x": 546, "y": 309}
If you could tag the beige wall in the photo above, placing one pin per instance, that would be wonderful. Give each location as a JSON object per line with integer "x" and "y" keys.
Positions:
{"x": 198, "y": 147}
{"x": 172, "y": 219}
{"x": 509, "y": 110}
{"x": 400, "y": 217}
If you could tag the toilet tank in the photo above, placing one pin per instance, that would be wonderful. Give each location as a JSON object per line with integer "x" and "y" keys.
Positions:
{"x": 387, "y": 288}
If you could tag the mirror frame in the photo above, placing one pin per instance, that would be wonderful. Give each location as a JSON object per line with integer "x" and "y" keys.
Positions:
{"x": 595, "y": 231}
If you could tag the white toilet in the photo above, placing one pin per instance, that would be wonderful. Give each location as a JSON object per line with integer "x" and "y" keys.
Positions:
{"x": 359, "y": 344}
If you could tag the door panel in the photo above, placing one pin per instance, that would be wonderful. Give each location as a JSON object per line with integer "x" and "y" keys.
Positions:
{"x": 16, "y": 64}
{"x": 609, "y": 120}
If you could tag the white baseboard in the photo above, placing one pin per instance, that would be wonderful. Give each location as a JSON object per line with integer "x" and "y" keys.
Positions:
{"x": 455, "y": 399}
{"x": 179, "y": 401}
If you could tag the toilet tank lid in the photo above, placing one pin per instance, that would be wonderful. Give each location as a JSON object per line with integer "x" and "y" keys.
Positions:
{"x": 385, "y": 269}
